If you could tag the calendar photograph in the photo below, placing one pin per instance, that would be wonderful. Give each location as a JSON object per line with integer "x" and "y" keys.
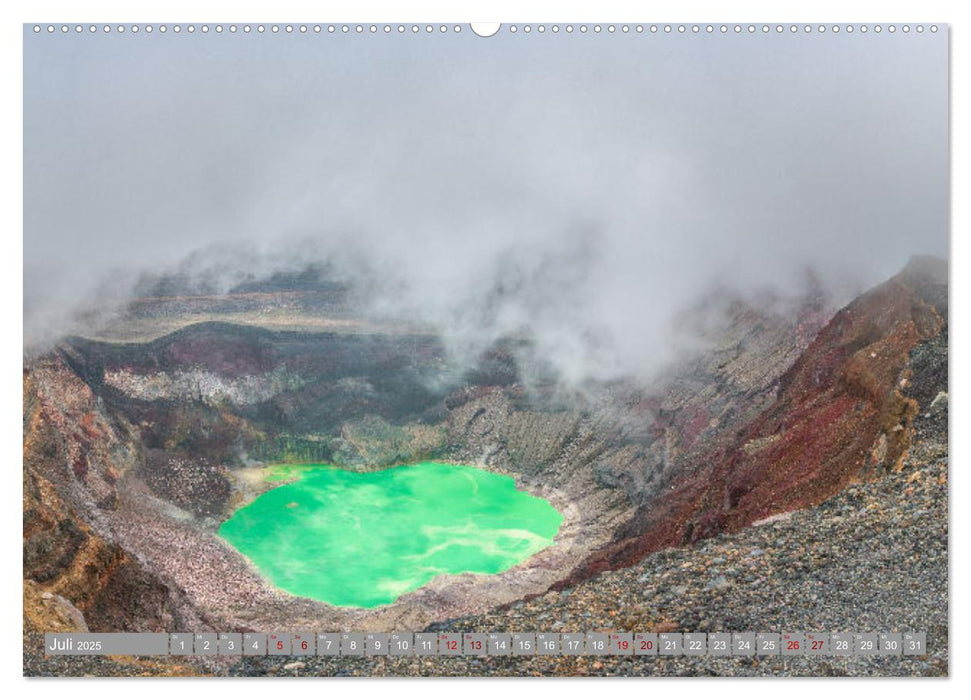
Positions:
{"x": 468, "y": 350}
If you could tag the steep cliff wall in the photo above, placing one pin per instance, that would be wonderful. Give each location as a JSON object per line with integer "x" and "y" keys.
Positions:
{"x": 74, "y": 457}
{"x": 840, "y": 414}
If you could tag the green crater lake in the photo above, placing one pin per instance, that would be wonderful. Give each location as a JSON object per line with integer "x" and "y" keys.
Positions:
{"x": 363, "y": 539}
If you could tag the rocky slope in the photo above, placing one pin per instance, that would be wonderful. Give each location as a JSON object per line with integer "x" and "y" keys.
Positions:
{"x": 840, "y": 413}
{"x": 76, "y": 573}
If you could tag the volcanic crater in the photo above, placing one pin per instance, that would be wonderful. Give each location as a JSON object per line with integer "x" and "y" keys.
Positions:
{"x": 141, "y": 439}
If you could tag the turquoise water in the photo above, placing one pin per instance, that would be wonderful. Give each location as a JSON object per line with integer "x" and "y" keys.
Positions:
{"x": 364, "y": 539}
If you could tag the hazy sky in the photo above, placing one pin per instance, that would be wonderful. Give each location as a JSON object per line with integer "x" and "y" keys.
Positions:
{"x": 585, "y": 186}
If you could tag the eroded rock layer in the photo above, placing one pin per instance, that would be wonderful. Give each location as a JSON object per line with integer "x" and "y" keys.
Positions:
{"x": 842, "y": 412}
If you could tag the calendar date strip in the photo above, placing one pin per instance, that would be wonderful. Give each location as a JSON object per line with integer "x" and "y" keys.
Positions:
{"x": 726, "y": 644}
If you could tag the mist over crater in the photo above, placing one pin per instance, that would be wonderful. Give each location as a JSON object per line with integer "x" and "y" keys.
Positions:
{"x": 484, "y": 188}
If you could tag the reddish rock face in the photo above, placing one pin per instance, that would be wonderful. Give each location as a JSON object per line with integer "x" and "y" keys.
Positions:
{"x": 838, "y": 415}
{"x": 63, "y": 554}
